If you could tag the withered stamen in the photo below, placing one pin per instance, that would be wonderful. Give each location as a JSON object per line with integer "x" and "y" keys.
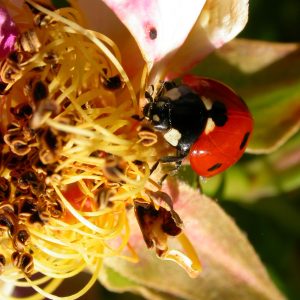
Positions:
{"x": 29, "y": 41}
{"x": 23, "y": 261}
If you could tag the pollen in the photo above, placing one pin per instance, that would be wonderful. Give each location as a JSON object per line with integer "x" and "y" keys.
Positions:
{"x": 73, "y": 159}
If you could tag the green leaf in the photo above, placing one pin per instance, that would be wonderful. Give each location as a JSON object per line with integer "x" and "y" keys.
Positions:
{"x": 267, "y": 77}
{"x": 231, "y": 269}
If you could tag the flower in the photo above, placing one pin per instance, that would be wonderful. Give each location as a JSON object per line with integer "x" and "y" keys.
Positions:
{"x": 74, "y": 160}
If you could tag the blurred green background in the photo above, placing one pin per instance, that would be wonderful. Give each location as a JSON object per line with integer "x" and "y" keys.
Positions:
{"x": 273, "y": 20}
{"x": 272, "y": 224}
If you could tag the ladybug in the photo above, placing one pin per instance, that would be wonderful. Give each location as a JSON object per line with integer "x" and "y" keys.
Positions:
{"x": 204, "y": 120}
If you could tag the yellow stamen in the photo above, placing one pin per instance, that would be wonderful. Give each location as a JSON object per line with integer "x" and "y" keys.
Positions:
{"x": 79, "y": 141}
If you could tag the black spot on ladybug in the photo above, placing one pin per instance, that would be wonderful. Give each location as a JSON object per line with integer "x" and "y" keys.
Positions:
{"x": 214, "y": 167}
{"x": 244, "y": 140}
{"x": 218, "y": 113}
{"x": 153, "y": 33}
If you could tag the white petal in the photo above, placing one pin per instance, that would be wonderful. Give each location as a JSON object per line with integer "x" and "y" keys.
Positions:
{"x": 159, "y": 26}
{"x": 219, "y": 22}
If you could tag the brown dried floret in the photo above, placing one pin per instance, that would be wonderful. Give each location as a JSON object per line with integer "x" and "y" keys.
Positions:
{"x": 54, "y": 204}
{"x": 3, "y": 87}
{"x": 8, "y": 222}
{"x": 19, "y": 138}
{"x": 6, "y": 206}
{"x": 40, "y": 214}
{"x": 22, "y": 112}
{"x": 29, "y": 41}
{"x": 24, "y": 205}
{"x": 23, "y": 261}
{"x": 19, "y": 147}
{"x": 21, "y": 238}
{"x": 15, "y": 57}
{"x": 4, "y": 189}
{"x": 9, "y": 72}
{"x": 26, "y": 179}
{"x": 2, "y": 263}
{"x": 42, "y": 20}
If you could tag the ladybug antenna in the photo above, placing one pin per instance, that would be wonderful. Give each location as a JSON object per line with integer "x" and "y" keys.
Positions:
{"x": 218, "y": 113}
{"x": 149, "y": 97}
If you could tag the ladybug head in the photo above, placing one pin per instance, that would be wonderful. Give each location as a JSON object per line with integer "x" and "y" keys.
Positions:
{"x": 158, "y": 113}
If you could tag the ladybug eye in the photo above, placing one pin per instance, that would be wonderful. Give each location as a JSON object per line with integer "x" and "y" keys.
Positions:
{"x": 244, "y": 140}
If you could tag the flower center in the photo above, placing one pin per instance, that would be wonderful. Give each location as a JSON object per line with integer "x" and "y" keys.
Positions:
{"x": 72, "y": 161}
{"x": 74, "y": 158}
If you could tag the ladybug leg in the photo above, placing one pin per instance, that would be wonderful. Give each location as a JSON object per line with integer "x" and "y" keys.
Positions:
{"x": 177, "y": 160}
{"x": 149, "y": 93}
{"x": 163, "y": 179}
{"x": 168, "y": 159}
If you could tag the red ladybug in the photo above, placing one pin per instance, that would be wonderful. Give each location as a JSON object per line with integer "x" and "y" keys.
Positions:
{"x": 205, "y": 120}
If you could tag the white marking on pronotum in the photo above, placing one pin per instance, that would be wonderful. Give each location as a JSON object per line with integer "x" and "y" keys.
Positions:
{"x": 207, "y": 102}
{"x": 178, "y": 92}
{"x": 156, "y": 118}
{"x": 210, "y": 126}
{"x": 172, "y": 137}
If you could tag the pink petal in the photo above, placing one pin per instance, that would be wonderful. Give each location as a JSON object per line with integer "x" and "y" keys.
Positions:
{"x": 159, "y": 27}
{"x": 219, "y": 22}
{"x": 231, "y": 269}
{"x": 8, "y": 33}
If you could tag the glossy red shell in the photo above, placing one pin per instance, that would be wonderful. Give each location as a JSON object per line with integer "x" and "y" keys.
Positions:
{"x": 218, "y": 149}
